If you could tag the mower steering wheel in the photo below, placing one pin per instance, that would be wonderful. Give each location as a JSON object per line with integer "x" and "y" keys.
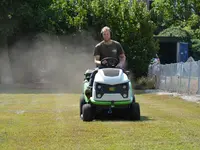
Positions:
{"x": 111, "y": 62}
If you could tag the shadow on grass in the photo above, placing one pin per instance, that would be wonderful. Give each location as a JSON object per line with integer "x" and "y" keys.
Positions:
{"x": 115, "y": 118}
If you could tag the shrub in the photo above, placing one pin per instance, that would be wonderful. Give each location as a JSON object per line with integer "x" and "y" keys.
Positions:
{"x": 145, "y": 83}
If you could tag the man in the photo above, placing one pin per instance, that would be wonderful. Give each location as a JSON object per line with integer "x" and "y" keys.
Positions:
{"x": 107, "y": 48}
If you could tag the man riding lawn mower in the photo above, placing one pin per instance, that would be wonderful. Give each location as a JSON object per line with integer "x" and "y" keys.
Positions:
{"x": 108, "y": 87}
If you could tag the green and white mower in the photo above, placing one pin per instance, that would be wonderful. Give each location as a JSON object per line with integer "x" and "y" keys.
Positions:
{"x": 111, "y": 91}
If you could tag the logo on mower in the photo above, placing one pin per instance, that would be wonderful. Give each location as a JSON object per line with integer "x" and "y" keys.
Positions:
{"x": 111, "y": 89}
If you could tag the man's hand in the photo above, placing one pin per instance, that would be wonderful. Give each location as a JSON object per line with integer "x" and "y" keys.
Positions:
{"x": 119, "y": 66}
{"x": 104, "y": 62}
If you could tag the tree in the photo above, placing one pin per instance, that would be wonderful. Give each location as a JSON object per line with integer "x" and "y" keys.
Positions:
{"x": 166, "y": 13}
{"x": 19, "y": 17}
{"x": 196, "y": 49}
{"x": 131, "y": 25}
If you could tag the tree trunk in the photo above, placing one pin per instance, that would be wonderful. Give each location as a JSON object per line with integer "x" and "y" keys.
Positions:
{"x": 5, "y": 66}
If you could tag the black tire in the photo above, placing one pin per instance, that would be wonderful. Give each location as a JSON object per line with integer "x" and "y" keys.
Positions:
{"x": 135, "y": 111}
{"x": 87, "y": 112}
{"x": 82, "y": 102}
{"x": 133, "y": 98}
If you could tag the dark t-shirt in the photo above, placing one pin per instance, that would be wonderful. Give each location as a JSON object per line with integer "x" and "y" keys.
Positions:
{"x": 108, "y": 50}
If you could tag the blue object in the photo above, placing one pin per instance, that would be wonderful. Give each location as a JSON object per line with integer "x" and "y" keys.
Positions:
{"x": 182, "y": 52}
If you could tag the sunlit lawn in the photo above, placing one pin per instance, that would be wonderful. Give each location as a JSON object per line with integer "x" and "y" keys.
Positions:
{"x": 51, "y": 121}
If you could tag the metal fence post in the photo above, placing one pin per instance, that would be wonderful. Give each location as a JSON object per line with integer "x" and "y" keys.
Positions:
{"x": 159, "y": 77}
{"x": 170, "y": 80}
{"x": 178, "y": 76}
{"x": 166, "y": 75}
{"x": 189, "y": 77}
{"x": 181, "y": 75}
{"x": 163, "y": 77}
{"x": 198, "y": 91}
{"x": 171, "y": 86}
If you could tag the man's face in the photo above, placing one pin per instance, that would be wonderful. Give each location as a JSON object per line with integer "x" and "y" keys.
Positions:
{"x": 106, "y": 35}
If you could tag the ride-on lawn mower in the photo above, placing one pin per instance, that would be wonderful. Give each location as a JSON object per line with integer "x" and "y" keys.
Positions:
{"x": 111, "y": 91}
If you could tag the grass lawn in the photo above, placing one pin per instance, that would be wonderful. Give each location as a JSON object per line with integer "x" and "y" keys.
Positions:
{"x": 51, "y": 121}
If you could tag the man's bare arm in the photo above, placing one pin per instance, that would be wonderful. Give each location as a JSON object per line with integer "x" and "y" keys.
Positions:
{"x": 122, "y": 59}
{"x": 97, "y": 60}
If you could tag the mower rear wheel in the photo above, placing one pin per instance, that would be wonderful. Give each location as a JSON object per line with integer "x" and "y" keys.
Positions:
{"x": 82, "y": 102}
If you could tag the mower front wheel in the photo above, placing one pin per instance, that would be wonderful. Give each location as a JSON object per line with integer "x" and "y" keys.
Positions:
{"x": 135, "y": 111}
{"x": 87, "y": 112}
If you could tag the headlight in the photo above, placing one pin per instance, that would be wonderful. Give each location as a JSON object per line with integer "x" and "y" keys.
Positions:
{"x": 98, "y": 95}
{"x": 98, "y": 86}
{"x": 124, "y": 86}
{"x": 125, "y": 95}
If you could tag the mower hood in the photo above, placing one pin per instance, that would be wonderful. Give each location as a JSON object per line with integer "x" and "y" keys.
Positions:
{"x": 111, "y": 76}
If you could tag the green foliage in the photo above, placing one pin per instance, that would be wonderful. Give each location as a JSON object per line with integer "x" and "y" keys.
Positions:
{"x": 197, "y": 33}
{"x": 68, "y": 16}
{"x": 183, "y": 13}
{"x": 176, "y": 32}
{"x": 132, "y": 27}
{"x": 192, "y": 25}
{"x": 196, "y": 49}
{"x": 23, "y": 16}
{"x": 130, "y": 23}
{"x": 145, "y": 83}
{"x": 179, "y": 18}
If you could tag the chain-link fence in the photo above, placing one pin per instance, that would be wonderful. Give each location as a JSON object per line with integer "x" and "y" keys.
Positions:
{"x": 177, "y": 77}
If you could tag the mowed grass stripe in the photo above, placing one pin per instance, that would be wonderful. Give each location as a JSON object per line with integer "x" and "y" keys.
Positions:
{"x": 51, "y": 121}
{"x": 181, "y": 117}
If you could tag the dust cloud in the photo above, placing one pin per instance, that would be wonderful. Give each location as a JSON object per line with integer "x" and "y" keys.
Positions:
{"x": 53, "y": 62}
